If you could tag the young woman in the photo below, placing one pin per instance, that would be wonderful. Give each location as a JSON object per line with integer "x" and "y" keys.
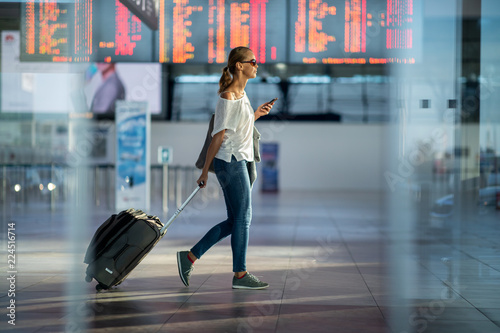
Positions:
{"x": 230, "y": 150}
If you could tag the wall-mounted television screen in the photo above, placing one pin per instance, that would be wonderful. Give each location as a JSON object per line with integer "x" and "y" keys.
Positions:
{"x": 34, "y": 87}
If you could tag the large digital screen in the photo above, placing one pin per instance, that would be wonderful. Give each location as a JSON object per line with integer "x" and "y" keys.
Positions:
{"x": 294, "y": 31}
{"x": 146, "y": 11}
{"x": 83, "y": 31}
{"x": 354, "y": 31}
{"x": 204, "y": 31}
{"x": 106, "y": 83}
{"x": 34, "y": 87}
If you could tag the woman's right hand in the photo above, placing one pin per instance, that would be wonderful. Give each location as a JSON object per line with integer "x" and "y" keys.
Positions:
{"x": 202, "y": 181}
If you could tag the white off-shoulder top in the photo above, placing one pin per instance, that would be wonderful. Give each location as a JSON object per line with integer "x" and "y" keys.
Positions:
{"x": 237, "y": 118}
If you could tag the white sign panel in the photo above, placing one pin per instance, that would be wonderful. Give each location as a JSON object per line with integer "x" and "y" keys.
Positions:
{"x": 165, "y": 155}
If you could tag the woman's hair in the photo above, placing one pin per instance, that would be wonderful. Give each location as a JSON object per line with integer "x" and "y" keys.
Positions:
{"x": 236, "y": 55}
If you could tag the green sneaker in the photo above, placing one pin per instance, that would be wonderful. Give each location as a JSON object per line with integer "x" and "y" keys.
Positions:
{"x": 185, "y": 266}
{"x": 249, "y": 281}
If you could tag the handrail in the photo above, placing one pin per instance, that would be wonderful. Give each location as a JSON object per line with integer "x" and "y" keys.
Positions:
{"x": 20, "y": 183}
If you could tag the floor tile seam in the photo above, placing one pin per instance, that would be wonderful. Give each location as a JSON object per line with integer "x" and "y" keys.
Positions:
{"x": 289, "y": 265}
{"x": 343, "y": 240}
{"x": 25, "y": 289}
{"x": 449, "y": 285}
{"x": 475, "y": 233}
{"x": 455, "y": 248}
{"x": 473, "y": 257}
{"x": 188, "y": 298}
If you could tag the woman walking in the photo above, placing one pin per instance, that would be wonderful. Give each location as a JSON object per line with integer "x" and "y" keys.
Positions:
{"x": 230, "y": 150}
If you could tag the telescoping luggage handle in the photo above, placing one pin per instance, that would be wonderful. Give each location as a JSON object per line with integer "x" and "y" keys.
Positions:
{"x": 163, "y": 230}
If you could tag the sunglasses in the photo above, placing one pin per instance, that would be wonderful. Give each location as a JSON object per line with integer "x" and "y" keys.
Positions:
{"x": 252, "y": 62}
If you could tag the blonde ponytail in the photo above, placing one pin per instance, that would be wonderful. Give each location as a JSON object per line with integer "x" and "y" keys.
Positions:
{"x": 236, "y": 55}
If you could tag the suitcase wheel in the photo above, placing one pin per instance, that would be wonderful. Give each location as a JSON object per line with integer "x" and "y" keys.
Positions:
{"x": 99, "y": 287}
{"x": 88, "y": 278}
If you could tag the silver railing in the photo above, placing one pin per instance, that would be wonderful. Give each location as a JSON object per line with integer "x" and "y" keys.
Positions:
{"x": 50, "y": 186}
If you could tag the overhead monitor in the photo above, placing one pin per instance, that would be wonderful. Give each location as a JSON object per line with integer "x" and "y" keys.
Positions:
{"x": 145, "y": 10}
{"x": 204, "y": 31}
{"x": 354, "y": 31}
{"x": 83, "y": 31}
{"x": 105, "y": 83}
{"x": 78, "y": 88}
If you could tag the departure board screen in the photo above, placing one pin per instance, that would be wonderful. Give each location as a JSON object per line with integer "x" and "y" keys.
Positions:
{"x": 352, "y": 31}
{"x": 82, "y": 31}
{"x": 204, "y": 31}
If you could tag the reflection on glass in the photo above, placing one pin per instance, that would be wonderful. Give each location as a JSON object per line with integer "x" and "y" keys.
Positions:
{"x": 442, "y": 176}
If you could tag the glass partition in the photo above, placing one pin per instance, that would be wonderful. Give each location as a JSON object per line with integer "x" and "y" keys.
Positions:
{"x": 443, "y": 195}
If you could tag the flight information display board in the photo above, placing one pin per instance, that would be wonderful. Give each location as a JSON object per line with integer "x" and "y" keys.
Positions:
{"x": 352, "y": 31}
{"x": 145, "y": 11}
{"x": 83, "y": 31}
{"x": 204, "y": 31}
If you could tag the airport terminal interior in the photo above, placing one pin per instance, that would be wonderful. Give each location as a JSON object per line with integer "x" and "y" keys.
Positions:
{"x": 376, "y": 206}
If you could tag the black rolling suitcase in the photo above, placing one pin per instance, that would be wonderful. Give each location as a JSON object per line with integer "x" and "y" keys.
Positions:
{"x": 121, "y": 242}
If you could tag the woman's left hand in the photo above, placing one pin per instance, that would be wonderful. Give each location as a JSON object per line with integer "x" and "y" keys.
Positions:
{"x": 263, "y": 110}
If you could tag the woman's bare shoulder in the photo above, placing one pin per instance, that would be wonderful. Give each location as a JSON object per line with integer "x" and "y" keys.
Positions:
{"x": 229, "y": 95}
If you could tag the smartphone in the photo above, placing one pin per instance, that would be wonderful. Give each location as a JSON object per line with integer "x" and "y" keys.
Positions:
{"x": 273, "y": 100}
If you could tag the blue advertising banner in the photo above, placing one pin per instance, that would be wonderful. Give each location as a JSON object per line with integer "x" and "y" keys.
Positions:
{"x": 270, "y": 170}
{"x": 133, "y": 124}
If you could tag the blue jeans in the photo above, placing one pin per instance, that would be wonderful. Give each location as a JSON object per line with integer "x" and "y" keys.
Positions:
{"x": 235, "y": 182}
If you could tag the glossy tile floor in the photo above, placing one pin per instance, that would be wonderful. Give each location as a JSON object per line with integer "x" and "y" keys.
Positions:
{"x": 323, "y": 254}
